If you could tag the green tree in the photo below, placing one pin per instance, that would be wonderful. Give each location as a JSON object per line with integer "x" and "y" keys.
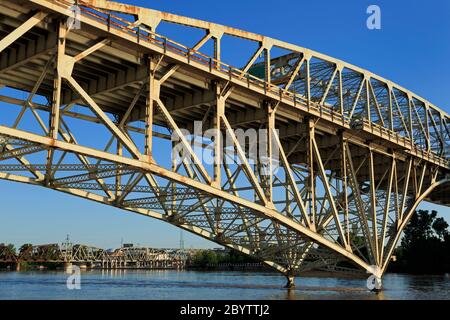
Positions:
{"x": 25, "y": 247}
{"x": 425, "y": 245}
{"x": 440, "y": 227}
{"x": 204, "y": 258}
{"x": 210, "y": 257}
{"x": 418, "y": 228}
{"x": 11, "y": 248}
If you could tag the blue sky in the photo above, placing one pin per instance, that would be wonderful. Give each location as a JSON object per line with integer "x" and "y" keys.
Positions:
{"x": 411, "y": 49}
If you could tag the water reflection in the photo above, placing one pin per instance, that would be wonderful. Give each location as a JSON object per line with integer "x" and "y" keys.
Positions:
{"x": 290, "y": 294}
{"x": 165, "y": 284}
{"x": 380, "y": 295}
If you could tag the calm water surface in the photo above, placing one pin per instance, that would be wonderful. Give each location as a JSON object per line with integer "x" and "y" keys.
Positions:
{"x": 151, "y": 284}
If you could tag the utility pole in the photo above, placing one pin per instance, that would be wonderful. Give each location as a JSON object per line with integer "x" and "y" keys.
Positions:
{"x": 183, "y": 254}
{"x": 181, "y": 240}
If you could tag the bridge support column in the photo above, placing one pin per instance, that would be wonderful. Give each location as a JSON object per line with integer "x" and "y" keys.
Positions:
{"x": 290, "y": 284}
{"x": 375, "y": 284}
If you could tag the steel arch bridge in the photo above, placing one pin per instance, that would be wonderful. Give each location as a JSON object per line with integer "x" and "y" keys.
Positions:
{"x": 94, "y": 91}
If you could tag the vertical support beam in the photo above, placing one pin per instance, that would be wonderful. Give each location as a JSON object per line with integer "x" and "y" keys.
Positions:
{"x": 386, "y": 208}
{"x": 391, "y": 118}
{"x": 270, "y": 137}
{"x": 441, "y": 131}
{"x": 368, "y": 99}
{"x": 308, "y": 82}
{"x": 149, "y": 109}
{"x": 267, "y": 66}
{"x": 405, "y": 189}
{"x": 373, "y": 208}
{"x": 344, "y": 185}
{"x": 56, "y": 99}
{"x": 341, "y": 95}
{"x": 217, "y": 49}
{"x": 54, "y": 117}
{"x": 288, "y": 192}
{"x": 427, "y": 128}
{"x": 311, "y": 173}
{"x": 414, "y": 179}
{"x": 218, "y": 115}
{"x": 411, "y": 135}
{"x": 172, "y": 210}
{"x": 396, "y": 196}
{"x": 217, "y": 35}
{"x": 119, "y": 152}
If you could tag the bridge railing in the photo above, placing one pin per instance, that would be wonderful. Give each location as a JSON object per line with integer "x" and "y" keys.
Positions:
{"x": 144, "y": 34}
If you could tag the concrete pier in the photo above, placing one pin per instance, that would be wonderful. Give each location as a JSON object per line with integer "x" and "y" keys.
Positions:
{"x": 290, "y": 284}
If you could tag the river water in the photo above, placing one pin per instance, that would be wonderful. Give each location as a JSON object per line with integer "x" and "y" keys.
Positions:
{"x": 227, "y": 285}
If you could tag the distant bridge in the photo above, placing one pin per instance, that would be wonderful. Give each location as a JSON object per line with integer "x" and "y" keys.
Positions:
{"x": 66, "y": 253}
{"x": 90, "y": 110}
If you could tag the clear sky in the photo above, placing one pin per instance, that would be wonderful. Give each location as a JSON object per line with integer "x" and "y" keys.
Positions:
{"x": 412, "y": 49}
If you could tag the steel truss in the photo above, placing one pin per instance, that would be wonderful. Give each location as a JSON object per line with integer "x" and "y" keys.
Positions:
{"x": 357, "y": 153}
{"x": 69, "y": 253}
